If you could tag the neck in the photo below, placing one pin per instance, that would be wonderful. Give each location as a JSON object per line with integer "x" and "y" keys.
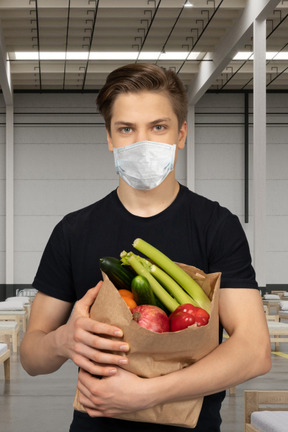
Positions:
{"x": 151, "y": 202}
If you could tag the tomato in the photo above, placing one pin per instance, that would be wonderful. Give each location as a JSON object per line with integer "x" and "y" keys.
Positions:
{"x": 186, "y": 315}
{"x": 201, "y": 317}
{"x": 186, "y": 308}
{"x": 181, "y": 320}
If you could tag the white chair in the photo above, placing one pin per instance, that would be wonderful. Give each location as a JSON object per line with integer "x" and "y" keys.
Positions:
{"x": 278, "y": 332}
{"x": 14, "y": 311}
{"x": 25, "y": 302}
{"x": 266, "y": 411}
{"x": 10, "y": 329}
{"x": 283, "y": 309}
{"x": 272, "y": 302}
{"x": 5, "y": 356}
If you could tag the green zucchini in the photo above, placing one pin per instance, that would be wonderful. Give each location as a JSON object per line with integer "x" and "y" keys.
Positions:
{"x": 121, "y": 276}
{"x": 142, "y": 292}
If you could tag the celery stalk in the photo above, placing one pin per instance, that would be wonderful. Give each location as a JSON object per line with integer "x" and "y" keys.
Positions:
{"x": 125, "y": 259}
{"x": 178, "y": 274}
{"x": 171, "y": 286}
{"x": 169, "y": 302}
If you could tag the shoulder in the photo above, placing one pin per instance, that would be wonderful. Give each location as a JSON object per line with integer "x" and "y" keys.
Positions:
{"x": 204, "y": 209}
{"x": 87, "y": 214}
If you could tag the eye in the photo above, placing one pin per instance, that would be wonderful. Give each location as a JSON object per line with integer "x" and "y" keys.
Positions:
{"x": 159, "y": 128}
{"x": 126, "y": 130}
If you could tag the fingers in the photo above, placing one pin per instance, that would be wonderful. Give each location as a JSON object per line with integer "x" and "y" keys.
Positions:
{"x": 96, "y": 369}
{"x": 94, "y": 346}
{"x": 94, "y": 327}
{"x": 103, "y": 344}
{"x": 87, "y": 386}
{"x": 93, "y": 333}
{"x": 94, "y": 351}
{"x": 97, "y": 362}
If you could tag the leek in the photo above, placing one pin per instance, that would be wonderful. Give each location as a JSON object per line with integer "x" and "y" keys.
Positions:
{"x": 177, "y": 273}
{"x": 171, "y": 286}
{"x": 169, "y": 302}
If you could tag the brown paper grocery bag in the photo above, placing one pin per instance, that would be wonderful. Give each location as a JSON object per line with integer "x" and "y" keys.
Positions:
{"x": 154, "y": 354}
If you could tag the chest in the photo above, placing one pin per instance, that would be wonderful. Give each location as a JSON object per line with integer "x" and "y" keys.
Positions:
{"x": 176, "y": 237}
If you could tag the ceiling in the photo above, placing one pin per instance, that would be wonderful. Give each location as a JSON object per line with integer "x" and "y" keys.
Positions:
{"x": 215, "y": 29}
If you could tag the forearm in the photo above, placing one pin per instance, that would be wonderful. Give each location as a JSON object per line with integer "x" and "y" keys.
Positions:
{"x": 42, "y": 353}
{"x": 231, "y": 363}
{"x": 244, "y": 355}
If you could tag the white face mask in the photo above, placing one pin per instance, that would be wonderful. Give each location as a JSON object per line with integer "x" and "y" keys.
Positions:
{"x": 145, "y": 164}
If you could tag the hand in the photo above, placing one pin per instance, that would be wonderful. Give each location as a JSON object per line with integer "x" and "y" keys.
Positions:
{"x": 84, "y": 342}
{"x": 111, "y": 396}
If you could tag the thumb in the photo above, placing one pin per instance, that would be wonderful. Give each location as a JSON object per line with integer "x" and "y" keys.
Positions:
{"x": 88, "y": 299}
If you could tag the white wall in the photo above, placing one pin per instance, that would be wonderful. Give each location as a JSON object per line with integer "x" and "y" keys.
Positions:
{"x": 220, "y": 153}
{"x": 62, "y": 163}
{"x": 220, "y": 168}
{"x": 277, "y": 188}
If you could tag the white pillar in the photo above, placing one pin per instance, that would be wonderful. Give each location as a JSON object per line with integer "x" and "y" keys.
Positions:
{"x": 259, "y": 150}
{"x": 190, "y": 148}
{"x": 9, "y": 194}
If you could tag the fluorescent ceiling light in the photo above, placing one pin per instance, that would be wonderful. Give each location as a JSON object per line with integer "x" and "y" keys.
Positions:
{"x": 55, "y": 55}
{"x": 281, "y": 56}
{"x": 242, "y": 55}
{"x": 270, "y": 55}
{"x": 105, "y": 56}
{"x": 132, "y": 55}
{"x": 113, "y": 55}
{"x": 151, "y": 55}
{"x": 188, "y": 4}
{"x": 194, "y": 55}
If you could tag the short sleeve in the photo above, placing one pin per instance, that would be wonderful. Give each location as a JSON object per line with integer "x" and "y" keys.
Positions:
{"x": 54, "y": 274}
{"x": 230, "y": 255}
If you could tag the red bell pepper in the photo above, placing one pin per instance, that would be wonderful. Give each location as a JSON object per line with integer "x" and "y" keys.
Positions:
{"x": 186, "y": 315}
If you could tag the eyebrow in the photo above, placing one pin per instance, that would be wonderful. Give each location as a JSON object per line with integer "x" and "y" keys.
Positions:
{"x": 123, "y": 123}
{"x": 154, "y": 122}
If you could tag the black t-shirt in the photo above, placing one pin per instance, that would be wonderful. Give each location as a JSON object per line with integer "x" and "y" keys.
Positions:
{"x": 193, "y": 230}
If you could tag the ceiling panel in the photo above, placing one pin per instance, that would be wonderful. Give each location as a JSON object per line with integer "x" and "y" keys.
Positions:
{"x": 141, "y": 26}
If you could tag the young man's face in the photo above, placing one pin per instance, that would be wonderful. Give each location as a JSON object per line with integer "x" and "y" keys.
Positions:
{"x": 144, "y": 116}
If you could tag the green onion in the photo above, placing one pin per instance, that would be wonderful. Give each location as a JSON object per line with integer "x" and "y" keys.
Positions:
{"x": 177, "y": 273}
{"x": 170, "y": 285}
{"x": 169, "y": 302}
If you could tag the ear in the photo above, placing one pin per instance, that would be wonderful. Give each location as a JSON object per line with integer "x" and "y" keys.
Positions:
{"x": 182, "y": 136}
{"x": 109, "y": 140}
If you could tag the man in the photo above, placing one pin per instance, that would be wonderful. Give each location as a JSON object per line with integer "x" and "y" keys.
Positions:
{"x": 145, "y": 110}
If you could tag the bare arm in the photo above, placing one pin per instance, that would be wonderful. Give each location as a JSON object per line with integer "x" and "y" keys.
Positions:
{"x": 52, "y": 337}
{"x": 244, "y": 355}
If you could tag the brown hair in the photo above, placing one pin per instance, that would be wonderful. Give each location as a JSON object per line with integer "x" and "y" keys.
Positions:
{"x": 134, "y": 78}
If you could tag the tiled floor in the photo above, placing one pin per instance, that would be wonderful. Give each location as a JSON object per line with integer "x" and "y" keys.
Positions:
{"x": 44, "y": 403}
